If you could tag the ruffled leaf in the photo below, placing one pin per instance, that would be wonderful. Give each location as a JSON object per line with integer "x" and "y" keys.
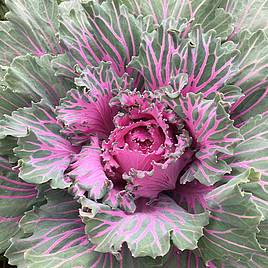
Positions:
{"x": 147, "y": 232}
{"x": 234, "y": 220}
{"x": 253, "y": 153}
{"x": 79, "y": 43}
{"x": 26, "y": 32}
{"x": 164, "y": 58}
{"x": 155, "y": 59}
{"x": 44, "y": 153}
{"x": 207, "y": 62}
{"x": 117, "y": 31}
{"x": 88, "y": 173}
{"x": 251, "y": 77}
{"x": 201, "y": 12}
{"x": 160, "y": 178}
{"x": 93, "y": 32}
{"x": 212, "y": 131}
{"x": 34, "y": 78}
{"x": 16, "y": 197}
{"x": 88, "y": 112}
{"x": 55, "y": 237}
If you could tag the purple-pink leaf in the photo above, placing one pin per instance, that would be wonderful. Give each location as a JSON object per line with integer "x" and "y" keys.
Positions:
{"x": 87, "y": 172}
{"x": 148, "y": 146}
{"x": 191, "y": 196}
{"x": 86, "y": 111}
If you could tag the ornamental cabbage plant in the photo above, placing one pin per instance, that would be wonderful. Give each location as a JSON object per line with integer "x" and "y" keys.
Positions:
{"x": 134, "y": 133}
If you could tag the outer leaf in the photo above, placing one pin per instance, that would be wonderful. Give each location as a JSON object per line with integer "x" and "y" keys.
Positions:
{"x": 212, "y": 131}
{"x": 247, "y": 14}
{"x": 251, "y": 77}
{"x": 253, "y": 153}
{"x": 147, "y": 232}
{"x": 10, "y": 101}
{"x": 44, "y": 154}
{"x": 233, "y": 223}
{"x": 204, "y": 12}
{"x": 41, "y": 161}
{"x": 207, "y": 62}
{"x": 32, "y": 28}
{"x": 34, "y": 78}
{"x": 163, "y": 58}
{"x": 95, "y": 32}
{"x": 117, "y": 32}
{"x": 154, "y": 61}
{"x": 78, "y": 41}
{"x": 55, "y": 237}
{"x": 16, "y": 197}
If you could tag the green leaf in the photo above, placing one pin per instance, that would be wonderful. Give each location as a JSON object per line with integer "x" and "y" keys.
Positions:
{"x": 10, "y": 101}
{"x": 147, "y": 232}
{"x": 164, "y": 57}
{"x": 117, "y": 31}
{"x": 34, "y": 77}
{"x": 207, "y": 62}
{"x": 253, "y": 153}
{"x": 16, "y": 197}
{"x": 53, "y": 236}
{"x": 251, "y": 77}
{"x": 32, "y": 28}
{"x": 44, "y": 154}
{"x": 204, "y": 12}
{"x": 79, "y": 44}
{"x": 92, "y": 32}
{"x": 234, "y": 220}
{"x": 247, "y": 14}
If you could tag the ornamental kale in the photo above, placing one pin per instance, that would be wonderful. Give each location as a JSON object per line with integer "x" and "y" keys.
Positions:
{"x": 134, "y": 133}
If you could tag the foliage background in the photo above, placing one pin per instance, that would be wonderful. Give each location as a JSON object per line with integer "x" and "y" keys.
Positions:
{"x": 3, "y": 10}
